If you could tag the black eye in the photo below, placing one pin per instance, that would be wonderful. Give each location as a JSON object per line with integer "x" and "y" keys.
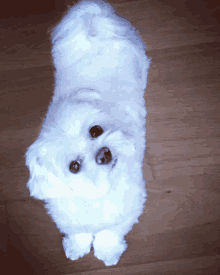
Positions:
{"x": 75, "y": 166}
{"x": 96, "y": 131}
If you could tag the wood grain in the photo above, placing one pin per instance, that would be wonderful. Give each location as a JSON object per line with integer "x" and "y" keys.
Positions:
{"x": 178, "y": 232}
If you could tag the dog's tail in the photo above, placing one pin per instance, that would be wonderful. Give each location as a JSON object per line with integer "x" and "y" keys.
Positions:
{"x": 92, "y": 28}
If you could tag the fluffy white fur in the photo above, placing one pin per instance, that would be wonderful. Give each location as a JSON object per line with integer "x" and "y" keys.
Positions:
{"x": 101, "y": 74}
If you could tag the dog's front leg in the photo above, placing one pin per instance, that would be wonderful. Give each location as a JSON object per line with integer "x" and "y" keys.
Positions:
{"x": 78, "y": 245}
{"x": 109, "y": 247}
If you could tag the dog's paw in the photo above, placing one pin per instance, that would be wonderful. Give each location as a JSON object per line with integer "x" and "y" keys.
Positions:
{"x": 108, "y": 247}
{"x": 77, "y": 246}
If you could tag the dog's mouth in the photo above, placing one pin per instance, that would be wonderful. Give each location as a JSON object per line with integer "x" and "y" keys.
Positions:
{"x": 114, "y": 162}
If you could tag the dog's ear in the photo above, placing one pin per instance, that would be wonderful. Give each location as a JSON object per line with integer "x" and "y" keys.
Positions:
{"x": 142, "y": 65}
{"x": 44, "y": 183}
{"x": 38, "y": 179}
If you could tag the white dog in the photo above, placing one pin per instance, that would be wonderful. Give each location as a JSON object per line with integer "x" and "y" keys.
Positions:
{"x": 86, "y": 164}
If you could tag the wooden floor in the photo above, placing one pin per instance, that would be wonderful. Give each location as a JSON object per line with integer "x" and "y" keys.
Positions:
{"x": 179, "y": 230}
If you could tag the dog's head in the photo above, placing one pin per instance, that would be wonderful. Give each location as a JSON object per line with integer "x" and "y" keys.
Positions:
{"x": 81, "y": 151}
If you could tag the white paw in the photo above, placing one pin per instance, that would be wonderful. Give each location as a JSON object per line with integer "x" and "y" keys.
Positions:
{"x": 108, "y": 247}
{"x": 77, "y": 245}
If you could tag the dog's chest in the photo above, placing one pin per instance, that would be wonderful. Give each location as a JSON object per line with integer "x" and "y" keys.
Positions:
{"x": 95, "y": 211}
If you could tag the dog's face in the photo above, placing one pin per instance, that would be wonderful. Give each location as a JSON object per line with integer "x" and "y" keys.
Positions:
{"x": 85, "y": 154}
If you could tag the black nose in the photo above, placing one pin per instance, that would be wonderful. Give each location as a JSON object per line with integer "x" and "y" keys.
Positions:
{"x": 103, "y": 156}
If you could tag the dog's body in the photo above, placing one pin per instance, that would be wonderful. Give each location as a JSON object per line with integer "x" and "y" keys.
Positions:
{"x": 87, "y": 161}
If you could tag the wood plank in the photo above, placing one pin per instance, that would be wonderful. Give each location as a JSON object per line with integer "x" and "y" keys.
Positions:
{"x": 194, "y": 266}
{"x": 181, "y": 217}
